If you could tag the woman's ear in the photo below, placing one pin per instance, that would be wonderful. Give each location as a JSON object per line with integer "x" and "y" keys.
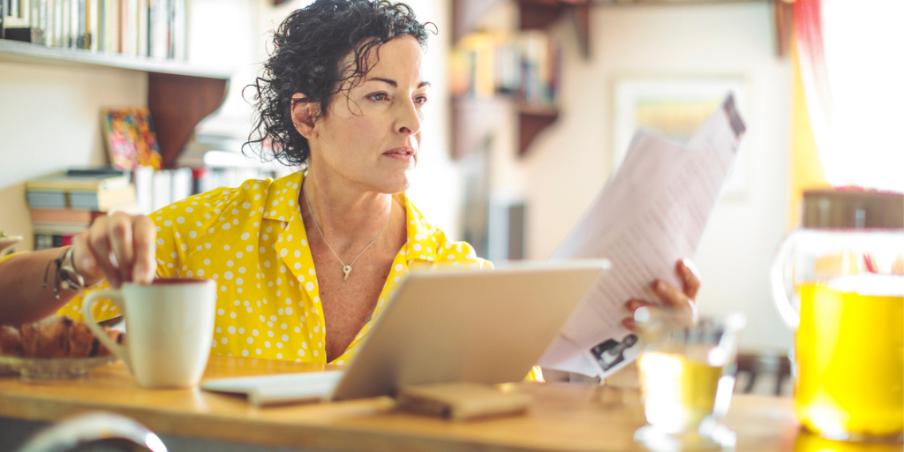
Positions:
{"x": 305, "y": 113}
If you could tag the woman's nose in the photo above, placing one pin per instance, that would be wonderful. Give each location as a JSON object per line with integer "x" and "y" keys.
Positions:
{"x": 409, "y": 120}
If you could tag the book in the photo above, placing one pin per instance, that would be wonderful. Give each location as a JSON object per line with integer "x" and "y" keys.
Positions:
{"x": 130, "y": 138}
{"x": 46, "y": 199}
{"x": 142, "y": 28}
{"x": 107, "y": 200}
{"x": 82, "y": 39}
{"x": 119, "y": 199}
{"x": 111, "y": 26}
{"x": 57, "y": 229}
{"x": 143, "y": 178}
{"x": 66, "y": 183}
{"x": 157, "y": 39}
{"x": 98, "y": 12}
{"x": 64, "y": 216}
{"x": 24, "y": 34}
{"x": 44, "y": 241}
{"x": 101, "y": 192}
{"x": 161, "y": 189}
{"x": 181, "y": 184}
{"x": 95, "y": 171}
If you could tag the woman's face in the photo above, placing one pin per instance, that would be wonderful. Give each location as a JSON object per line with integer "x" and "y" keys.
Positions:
{"x": 371, "y": 133}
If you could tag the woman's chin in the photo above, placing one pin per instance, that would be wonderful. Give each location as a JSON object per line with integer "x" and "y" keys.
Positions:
{"x": 393, "y": 183}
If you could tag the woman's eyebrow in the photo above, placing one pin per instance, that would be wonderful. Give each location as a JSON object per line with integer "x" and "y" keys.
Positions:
{"x": 393, "y": 83}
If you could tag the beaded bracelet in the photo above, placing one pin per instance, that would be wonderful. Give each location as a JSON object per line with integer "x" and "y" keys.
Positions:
{"x": 65, "y": 276}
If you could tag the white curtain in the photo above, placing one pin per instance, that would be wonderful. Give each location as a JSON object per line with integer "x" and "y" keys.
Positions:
{"x": 852, "y": 59}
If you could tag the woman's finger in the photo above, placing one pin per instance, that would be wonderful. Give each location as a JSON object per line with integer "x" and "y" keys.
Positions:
{"x": 119, "y": 231}
{"x": 629, "y": 324}
{"x": 99, "y": 245}
{"x": 143, "y": 235}
{"x": 83, "y": 259}
{"x": 675, "y": 299}
{"x": 690, "y": 277}
{"x": 635, "y": 304}
{"x": 670, "y": 295}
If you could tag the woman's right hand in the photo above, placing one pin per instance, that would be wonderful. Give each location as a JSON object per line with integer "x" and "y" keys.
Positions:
{"x": 118, "y": 247}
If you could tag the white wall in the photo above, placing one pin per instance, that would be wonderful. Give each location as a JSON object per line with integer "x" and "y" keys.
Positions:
{"x": 50, "y": 120}
{"x": 436, "y": 186}
{"x": 571, "y": 161}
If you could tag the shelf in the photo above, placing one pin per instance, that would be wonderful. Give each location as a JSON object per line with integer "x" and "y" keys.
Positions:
{"x": 24, "y": 52}
{"x": 532, "y": 122}
{"x": 179, "y": 95}
{"x": 474, "y": 118}
{"x": 540, "y": 14}
{"x": 538, "y": 110}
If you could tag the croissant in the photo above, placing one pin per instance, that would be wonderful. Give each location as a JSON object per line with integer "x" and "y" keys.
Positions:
{"x": 54, "y": 337}
{"x": 10, "y": 341}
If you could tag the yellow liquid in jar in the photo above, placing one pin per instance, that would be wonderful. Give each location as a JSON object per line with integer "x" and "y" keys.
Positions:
{"x": 850, "y": 362}
{"x": 679, "y": 392}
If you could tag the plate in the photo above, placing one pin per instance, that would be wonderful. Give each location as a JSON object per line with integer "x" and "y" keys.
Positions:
{"x": 8, "y": 241}
{"x": 51, "y": 368}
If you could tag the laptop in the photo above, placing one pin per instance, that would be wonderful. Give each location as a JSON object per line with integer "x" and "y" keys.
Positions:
{"x": 444, "y": 326}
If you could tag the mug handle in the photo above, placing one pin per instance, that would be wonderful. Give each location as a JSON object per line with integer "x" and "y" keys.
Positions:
{"x": 114, "y": 295}
{"x": 780, "y": 280}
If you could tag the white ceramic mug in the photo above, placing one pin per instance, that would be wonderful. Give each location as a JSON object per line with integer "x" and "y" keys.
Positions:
{"x": 169, "y": 329}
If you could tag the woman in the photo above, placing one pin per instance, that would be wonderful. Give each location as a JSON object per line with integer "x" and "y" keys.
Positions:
{"x": 303, "y": 263}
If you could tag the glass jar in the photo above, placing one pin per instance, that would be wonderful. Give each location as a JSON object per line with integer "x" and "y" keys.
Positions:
{"x": 838, "y": 281}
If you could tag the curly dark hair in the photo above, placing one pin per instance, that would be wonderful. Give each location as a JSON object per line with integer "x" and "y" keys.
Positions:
{"x": 308, "y": 48}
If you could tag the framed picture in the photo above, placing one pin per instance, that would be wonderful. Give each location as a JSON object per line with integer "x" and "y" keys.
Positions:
{"x": 675, "y": 107}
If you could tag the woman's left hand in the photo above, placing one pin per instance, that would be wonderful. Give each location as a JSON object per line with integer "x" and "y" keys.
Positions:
{"x": 681, "y": 301}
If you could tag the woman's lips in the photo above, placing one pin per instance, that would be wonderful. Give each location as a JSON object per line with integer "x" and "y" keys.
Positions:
{"x": 403, "y": 154}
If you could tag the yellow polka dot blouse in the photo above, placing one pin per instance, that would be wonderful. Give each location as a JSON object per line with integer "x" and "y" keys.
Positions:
{"x": 252, "y": 241}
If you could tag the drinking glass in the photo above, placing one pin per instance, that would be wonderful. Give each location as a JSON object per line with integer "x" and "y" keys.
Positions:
{"x": 686, "y": 380}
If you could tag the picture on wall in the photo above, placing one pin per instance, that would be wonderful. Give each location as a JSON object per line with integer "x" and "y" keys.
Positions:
{"x": 675, "y": 107}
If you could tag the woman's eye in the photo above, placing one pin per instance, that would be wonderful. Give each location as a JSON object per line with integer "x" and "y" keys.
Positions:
{"x": 420, "y": 100}
{"x": 378, "y": 97}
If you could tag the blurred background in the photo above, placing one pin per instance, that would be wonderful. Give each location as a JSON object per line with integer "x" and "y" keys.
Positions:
{"x": 534, "y": 103}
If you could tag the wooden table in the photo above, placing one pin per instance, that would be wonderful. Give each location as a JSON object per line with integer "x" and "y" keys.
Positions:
{"x": 562, "y": 417}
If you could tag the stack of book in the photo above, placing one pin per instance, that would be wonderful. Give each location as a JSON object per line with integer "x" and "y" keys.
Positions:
{"x": 525, "y": 67}
{"x": 65, "y": 204}
{"x": 145, "y": 28}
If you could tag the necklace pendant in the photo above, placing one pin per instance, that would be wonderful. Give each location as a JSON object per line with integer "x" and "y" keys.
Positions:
{"x": 346, "y": 270}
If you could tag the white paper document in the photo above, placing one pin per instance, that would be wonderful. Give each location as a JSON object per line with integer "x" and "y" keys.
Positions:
{"x": 651, "y": 213}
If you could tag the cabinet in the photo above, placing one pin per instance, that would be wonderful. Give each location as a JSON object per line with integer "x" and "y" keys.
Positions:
{"x": 474, "y": 108}
{"x": 179, "y": 95}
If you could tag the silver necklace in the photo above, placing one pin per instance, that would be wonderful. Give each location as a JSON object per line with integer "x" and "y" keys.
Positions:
{"x": 346, "y": 268}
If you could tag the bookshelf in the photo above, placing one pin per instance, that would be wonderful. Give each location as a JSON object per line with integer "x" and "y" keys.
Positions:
{"x": 533, "y": 113}
{"x": 25, "y": 52}
{"x": 179, "y": 95}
